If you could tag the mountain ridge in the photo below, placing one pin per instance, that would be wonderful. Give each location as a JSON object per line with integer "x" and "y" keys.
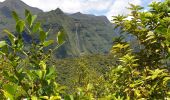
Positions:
{"x": 87, "y": 34}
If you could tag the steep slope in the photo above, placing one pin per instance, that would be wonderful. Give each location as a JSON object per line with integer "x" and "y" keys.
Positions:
{"x": 18, "y": 6}
{"x": 86, "y": 34}
{"x": 7, "y": 7}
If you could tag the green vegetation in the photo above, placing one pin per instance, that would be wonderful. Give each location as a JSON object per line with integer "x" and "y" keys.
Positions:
{"x": 26, "y": 68}
{"x": 29, "y": 69}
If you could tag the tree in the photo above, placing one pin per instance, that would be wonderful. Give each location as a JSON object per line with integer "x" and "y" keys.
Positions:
{"x": 27, "y": 70}
{"x": 143, "y": 74}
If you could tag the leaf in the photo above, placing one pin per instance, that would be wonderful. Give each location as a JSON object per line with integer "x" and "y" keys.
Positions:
{"x": 60, "y": 37}
{"x": 51, "y": 70}
{"x": 4, "y": 49}
{"x": 137, "y": 92}
{"x": 27, "y": 12}
{"x": 156, "y": 73}
{"x": 47, "y": 43}
{"x": 150, "y": 33}
{"x": 89, "y": 86}
{"x": 8, "y": 96}
{"x": 33, "y": 19}
{"x": 39, "y": 73}
{"x": 55, "y": 98}
{"x": 42, "y": 36}
{"x": 165, "y": 80}
{"x": 69, "y": 97}
{"x": 44, "y": 97}
{"x": 2, "y": 44}
{"x": 161, "y": 30}
{"x": 15, "y": 16}
{"x": 30, "y": 18}
{"x": 20, "y": 26}
{"x": 43, "y": 65}
{"x": 11, "y": 36}
{"x": 36, "y": 27}
{"x": 34, "y": 98}
{"x": 10, "y": 89}
{"x": 150, "y": 36}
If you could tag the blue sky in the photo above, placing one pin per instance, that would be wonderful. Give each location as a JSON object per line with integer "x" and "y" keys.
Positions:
{"x": 96, "y": 7}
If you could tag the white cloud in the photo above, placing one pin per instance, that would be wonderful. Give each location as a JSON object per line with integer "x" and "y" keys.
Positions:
{"x": 98, "y": 7}
{"x": 70, "y": 5}
{"x": 120, "y": 7}
{"x": 112, "y": 7}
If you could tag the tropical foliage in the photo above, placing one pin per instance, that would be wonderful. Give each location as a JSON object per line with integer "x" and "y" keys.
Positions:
{"x": 128, "y": 72}
{"x": 26, "y": 68}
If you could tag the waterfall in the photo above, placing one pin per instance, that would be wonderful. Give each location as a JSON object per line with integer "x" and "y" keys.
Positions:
{"x": 77, "y": 39}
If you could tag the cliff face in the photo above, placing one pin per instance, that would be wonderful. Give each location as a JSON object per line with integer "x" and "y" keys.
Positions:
{"x": 7, "y": 7}
{"x": 86, "y": 34}
{"x": 18, "y": 6}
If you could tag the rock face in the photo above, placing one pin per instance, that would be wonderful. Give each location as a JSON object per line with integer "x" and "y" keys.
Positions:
{"x": 7, "y": 7}
{"x": 86, "y": 34}
{"x": 18, "y": 6}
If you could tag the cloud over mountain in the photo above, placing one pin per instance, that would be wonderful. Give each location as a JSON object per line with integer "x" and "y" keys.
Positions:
{"x": 97, "y": 7}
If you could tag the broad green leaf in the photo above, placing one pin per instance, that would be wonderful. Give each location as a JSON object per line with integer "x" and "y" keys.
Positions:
{"x": 55, "y": 98}
{"x": 69, "y": 97}
{"x": 60, "y": 37}
{"x": 165, "y": 80}
{"x": 33, "y": 19}
{"x": 43, "y": 36}
{"x": 11, "y": 89}
{"x": 4, "y": 49}
{"x": 30, "y": 19}
{"x": 11, "y": 36}
{"x": 44, "y": 97}
{"x": 156, "y": 72}
{"x": 15, "y": 16}
{"x": 1, "y": 53}
{"x": 89, "y": 86}
{"x": 34, "y": 98}
{"x": 39, "y": 73}
{"x": 27, "y": 12}
{"x": 2, "y": 44}
{"x": 20, "y": 26}
{"x": 47, "y": 43}
{"x": 51, "y": 70}
{"x": 137, "y": 92}
{"x": 43, "y": 65}
{"x": 161, "y": 29}
{"x": 8, "y": 95}
{"x": 36, "y": 27}
{"x": 150, "y": 36}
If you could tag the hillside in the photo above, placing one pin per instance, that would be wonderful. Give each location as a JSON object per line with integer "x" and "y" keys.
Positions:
{"x": 86, "y": 34}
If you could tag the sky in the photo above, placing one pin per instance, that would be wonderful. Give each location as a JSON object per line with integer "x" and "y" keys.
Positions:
{"x": 97, "y": 7}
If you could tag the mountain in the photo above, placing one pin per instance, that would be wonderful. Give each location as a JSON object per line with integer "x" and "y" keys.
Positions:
{"x": 7, "y": 7}
{"x": 86, "y": 34}
{"x": 19, "y": 6}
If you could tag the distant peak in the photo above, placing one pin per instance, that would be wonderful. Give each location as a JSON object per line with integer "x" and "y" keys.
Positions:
{"x": 77, "y": 13}
{"x": 59, "y": 11}
{"x": 18, "y": 6}
{"x": 13, "y": 1}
